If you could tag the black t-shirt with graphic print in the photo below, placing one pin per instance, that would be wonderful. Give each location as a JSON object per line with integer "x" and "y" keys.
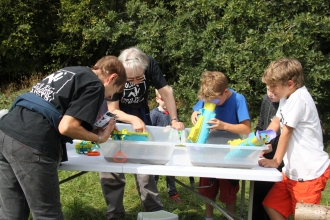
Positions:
{"x": 134, "y": 96}
{"x": 74, "y": 91}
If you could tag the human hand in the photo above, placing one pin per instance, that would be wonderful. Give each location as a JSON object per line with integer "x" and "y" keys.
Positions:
{"x": 177, "y": 125}
{"x": 194, "y": 117}
{"x": 270, "y": 149}
{"x": 268, "y": 163}
{"x": 105, "y": 134}
{"x": 138, "y": 125}
{"x": 216, "y": 124}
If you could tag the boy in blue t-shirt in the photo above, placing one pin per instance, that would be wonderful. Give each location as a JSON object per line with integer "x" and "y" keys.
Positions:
{"x": 231, "y": 115}
{"x": 160, "y": 117}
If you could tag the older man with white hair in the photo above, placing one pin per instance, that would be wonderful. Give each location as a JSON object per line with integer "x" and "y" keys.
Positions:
{"x": 131, "y": 107}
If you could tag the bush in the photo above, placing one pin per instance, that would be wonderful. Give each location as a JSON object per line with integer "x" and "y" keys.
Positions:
{"x": 237, "y": 37}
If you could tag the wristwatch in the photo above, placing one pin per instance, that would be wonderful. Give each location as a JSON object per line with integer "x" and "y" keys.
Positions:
{"x": 175, "y": 119}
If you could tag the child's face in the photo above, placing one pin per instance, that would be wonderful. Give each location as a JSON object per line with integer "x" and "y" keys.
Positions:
{"x": 161, "y": 102}
{"x": 223, "y": 97}
{"x": 281, "y": 91}
{"x": 272, "y": 96}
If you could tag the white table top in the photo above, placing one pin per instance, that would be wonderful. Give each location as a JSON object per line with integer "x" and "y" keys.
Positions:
{"x": 179, "y": 165}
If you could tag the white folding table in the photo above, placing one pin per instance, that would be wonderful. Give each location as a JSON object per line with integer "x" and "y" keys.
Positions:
{"x": 179, "y": 165}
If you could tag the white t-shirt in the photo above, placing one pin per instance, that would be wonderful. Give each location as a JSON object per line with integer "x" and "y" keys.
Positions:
{"x": 305, "y": 158}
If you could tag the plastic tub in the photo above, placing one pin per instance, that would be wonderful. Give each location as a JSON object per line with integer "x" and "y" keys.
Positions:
{"x": 218, "y": 153}
{"x": 157, "y": 150}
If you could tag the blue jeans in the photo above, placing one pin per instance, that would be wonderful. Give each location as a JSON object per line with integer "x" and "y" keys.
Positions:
{"x": 28, "y": 181}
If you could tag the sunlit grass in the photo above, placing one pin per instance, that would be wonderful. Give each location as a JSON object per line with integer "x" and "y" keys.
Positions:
{"x": 82, "y": 199}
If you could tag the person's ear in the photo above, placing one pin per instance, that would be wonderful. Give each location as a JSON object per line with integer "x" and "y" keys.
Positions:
{"x": 291, "y": 84}
{"x": 112, "y": 77}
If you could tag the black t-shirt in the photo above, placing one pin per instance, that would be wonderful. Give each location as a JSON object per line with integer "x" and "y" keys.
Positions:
{"x": 74, "y": 91}
{"x": 134, "y": 99}
{"x": 136, "y": 96}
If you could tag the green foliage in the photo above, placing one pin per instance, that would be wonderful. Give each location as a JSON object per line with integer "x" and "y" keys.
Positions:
{"x": 26, "y": 33}
{"x": 237, "y": 37}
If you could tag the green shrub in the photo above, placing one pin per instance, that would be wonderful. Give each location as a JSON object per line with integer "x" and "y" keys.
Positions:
{"x": 237, "y": 37}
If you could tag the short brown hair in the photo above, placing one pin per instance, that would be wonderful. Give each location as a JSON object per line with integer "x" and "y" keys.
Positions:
{"x": 283, "y": 70}
{"x": 109, "y": 65}
{"x": 213, "y": 84}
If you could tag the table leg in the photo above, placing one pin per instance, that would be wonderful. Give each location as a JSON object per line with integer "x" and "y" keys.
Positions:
{"x": 242, "y": 199}
{"x": 251, "y": 199}
{"x": 72, "y": 177}
{"x": 207, "y": 200}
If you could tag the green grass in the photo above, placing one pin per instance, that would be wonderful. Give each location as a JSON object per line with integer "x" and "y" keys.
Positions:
{"x": 82, "y": 199}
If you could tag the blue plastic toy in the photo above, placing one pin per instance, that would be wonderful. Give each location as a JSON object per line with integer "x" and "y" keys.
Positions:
{"x": 259, "y": 139}
{"x": 199, "y": 133}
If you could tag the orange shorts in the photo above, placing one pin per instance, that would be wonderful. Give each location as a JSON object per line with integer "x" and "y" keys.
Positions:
{"x": 284, "y": 195}
{"x": 227, "y": 190}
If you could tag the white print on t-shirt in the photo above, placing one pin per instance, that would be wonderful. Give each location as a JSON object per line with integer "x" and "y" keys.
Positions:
{"x": 44, "y": 90}
{"x": 134, "y": 93}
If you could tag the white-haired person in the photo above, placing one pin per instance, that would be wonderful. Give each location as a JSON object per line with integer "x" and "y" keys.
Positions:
{"x": 131, "y": 106}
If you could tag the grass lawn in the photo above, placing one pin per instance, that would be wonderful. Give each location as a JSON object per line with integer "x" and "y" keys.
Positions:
{"x": 82, "y": 199}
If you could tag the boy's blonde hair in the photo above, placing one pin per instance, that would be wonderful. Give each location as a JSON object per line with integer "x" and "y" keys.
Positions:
{"x": 157, "y": 93}
{"x": 283, "y": 70}
{"x": 213, "y": 85}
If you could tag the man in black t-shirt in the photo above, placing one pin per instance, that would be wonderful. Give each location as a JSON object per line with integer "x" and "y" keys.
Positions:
{"x": 61, "y": 106}
{"x": 131, "y": 107}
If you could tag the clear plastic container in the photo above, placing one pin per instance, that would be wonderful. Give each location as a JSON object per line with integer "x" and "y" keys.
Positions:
{"x": 218, "y": 153}
{"x": 157, "y": 150}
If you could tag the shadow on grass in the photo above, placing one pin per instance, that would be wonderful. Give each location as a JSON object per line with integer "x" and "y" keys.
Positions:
{"x": 80, "y": 210}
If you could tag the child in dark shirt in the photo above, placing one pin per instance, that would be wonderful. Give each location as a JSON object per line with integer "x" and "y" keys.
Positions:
{"x": 268, "y": 111}
{"x": 160, "y": 117}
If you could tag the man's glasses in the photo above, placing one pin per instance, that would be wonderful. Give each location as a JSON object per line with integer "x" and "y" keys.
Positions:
{"x": 138, "y": 78}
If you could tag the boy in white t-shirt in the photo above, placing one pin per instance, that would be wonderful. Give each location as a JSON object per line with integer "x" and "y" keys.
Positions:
{"x": 300, "y": 146}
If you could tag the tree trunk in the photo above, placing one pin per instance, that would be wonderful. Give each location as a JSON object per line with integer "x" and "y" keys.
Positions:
{"x": 306, "y": 211}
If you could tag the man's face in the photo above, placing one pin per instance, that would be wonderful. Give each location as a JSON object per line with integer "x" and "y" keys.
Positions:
{"x": 135, "y": 78}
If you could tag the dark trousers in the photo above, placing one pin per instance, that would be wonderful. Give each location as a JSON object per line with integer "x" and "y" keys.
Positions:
{"x": 261, "y": 189}
{"x": 170, "y": 183}
{"x": 28, "y": 181}
{"x": 113, "y": 187}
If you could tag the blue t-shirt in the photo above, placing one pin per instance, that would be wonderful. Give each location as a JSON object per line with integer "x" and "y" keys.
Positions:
{"x": 234, "y": 110}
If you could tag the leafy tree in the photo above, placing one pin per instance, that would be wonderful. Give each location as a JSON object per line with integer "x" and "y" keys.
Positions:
{"x": 26, "y": 31}
{"x": 237, "y": 37}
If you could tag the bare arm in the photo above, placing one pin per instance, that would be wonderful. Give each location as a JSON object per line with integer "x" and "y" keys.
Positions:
{"x": 243, "y": 128}
{"x": 71, "y": 127}
{"x": 168, "y": 98}
{"x": 137, "y": 123}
